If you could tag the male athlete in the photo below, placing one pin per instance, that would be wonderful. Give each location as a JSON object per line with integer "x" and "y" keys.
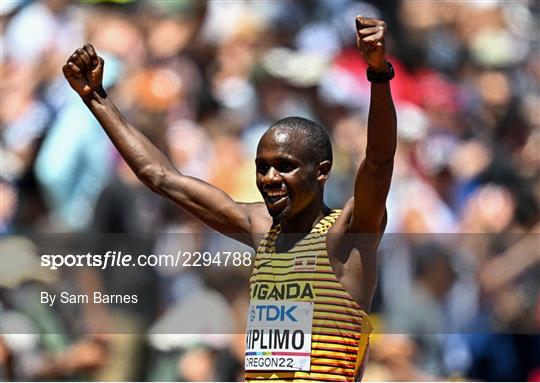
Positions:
{"x": 310, "y": 291}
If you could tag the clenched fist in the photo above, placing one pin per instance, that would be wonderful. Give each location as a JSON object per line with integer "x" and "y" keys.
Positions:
{"x": 84, "y": 71}
{"x": 370, "y": 35}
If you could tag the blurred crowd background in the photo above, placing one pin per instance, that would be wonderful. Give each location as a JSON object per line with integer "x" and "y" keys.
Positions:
{"x": 458, "y": 294}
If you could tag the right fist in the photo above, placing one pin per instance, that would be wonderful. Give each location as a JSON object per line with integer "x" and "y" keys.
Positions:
{"x": 84, "y": 70}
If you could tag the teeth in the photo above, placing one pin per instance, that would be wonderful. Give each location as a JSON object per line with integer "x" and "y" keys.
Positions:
{"x": 276, "y": 193}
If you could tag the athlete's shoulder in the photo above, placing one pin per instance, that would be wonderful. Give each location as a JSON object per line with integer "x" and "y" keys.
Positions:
{"x": 341, "y": 224}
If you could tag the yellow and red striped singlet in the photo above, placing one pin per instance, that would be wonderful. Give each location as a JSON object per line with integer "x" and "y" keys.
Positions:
{"x": 302, "y": 324}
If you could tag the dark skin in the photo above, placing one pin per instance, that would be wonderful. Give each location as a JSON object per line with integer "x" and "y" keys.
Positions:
{"x": 291, "y": 184}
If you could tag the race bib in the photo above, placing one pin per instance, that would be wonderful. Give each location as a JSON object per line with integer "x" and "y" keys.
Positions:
{"x": 279, "y": 335}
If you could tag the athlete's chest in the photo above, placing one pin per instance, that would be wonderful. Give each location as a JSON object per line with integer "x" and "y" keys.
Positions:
{"x": 296, "y": 303}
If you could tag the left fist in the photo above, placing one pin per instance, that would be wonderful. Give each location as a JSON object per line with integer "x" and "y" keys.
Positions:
{"x": 370, "y": 35}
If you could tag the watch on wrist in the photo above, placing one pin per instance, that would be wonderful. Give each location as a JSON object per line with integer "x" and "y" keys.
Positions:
{"x": 381, "y": 77}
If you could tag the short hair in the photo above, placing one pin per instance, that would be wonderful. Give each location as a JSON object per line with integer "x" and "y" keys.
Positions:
{"x": 314, "y": 138}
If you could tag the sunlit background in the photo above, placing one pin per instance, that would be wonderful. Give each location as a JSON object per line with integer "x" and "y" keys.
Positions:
{"x": 203, "y": 80}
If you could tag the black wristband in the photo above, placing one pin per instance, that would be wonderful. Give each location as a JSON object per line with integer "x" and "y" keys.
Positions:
{"x": 90, "y": 96}
{"x": 101, "y": 92}
{"x": 381, "y": 77}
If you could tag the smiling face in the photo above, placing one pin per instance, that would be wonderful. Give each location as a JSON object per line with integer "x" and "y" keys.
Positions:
{"x": 287, "y": 178}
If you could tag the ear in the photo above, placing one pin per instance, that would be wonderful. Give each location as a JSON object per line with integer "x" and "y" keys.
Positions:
{"x": 323, "y": 172}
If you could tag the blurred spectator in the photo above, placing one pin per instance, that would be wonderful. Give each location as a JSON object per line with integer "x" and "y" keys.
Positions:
{"x": 37, "y": 339}
{"x": 423, "y": 313}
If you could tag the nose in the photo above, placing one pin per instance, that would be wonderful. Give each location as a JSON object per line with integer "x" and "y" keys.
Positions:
{"x": 271, "y": 176}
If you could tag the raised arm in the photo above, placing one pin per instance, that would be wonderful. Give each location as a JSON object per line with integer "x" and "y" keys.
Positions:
{"x": 375, "y": 172}
{"x": 212, "y": 206}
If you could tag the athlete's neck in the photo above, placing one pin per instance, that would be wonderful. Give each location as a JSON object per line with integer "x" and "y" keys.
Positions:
{"x": 304, "y": 221}
{"x": 294, "y": 229}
